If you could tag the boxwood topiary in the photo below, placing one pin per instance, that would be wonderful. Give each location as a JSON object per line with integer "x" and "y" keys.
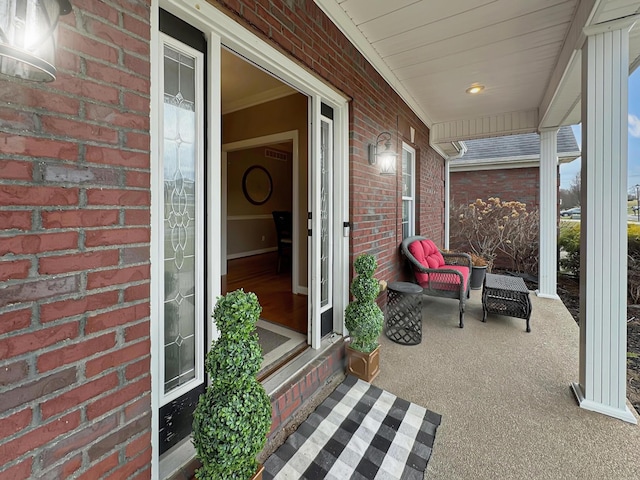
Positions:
{"x": 233, "y": 416}
{"x": 363, "y": 318}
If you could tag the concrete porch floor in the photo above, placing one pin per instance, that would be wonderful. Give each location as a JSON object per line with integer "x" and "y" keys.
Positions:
{"x": 505, "y": 398}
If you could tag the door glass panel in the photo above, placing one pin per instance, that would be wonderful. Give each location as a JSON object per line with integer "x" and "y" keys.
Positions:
{"x": 325, "y": 233}
{"x": 180, "y": 160}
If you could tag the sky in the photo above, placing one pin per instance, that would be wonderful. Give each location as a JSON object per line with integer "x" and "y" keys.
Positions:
{"x": 568, "y": 171}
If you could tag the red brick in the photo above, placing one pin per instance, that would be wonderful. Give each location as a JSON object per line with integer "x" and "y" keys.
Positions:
{"x": 118, "y": 357}
{"x": 13, "y": 373}
{"x": 140, "y": 407}
{"x": 117, "y": 236}
{"x": 16, "y": 422}
{"x": 79, "y": 261}
{"x": 130, "y": 467}
{"x": 77, "y": 396}
{"x": 138, "y": 445}
{"x": 137, "y": 103}
{"x": 79, "y": 130}
{"x": 100, "y": 468}
{"x": 116, "y": 37}
{"x": 15, "y": 220}
{"x": 79, "y": 218}
{"x": 117, "y": 276}
{"x": 17, "y": 396}
{"x": 21, "y": 470}
{"x": 116, "y": 117}
{"x": 88, "y": 46}
{"x": 137, "y": 369}
{"x": 137, "y": 217}
{"x": 15, "y": 170}
{"x": 131, "y": 255}
{"x": 21, "y": 196}
{"x": 86, "y": 88}
{"x": 16, "y": 320}
{"x": 127, "y": 431}
{"x": 32, "y": 291}
{"x": 136, "y": 292}
{"x": 140, "y": 330}
{"x": 138, "y": 141}
{"x": 74, "y": 352}
{"x": 33, "y": 341}
{"x": 65, "y": 469}
{"x": 138, "y": 179}
{"x": 116, "y": 318}
{"x": 69, "y": 308}
{"x": 105, "y": 196}
{"x": 38, "y": 98}
{"x": 100, "y": 9}
{"x": 140, "y": 28}
{"x": 138, "y": 65}
{"x": 79, "y": 440}
{"x": 121, "y": 158}
{"x": 38, "y": 437}
{"x": 43, "y": 242}
{"x": 113, "y": 76}
{"x": 118, "y": 398}
{"x": 14, "y": 269}
{"x": 37, "y": 147}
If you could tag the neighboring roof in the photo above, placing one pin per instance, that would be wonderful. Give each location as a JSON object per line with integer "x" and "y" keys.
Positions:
{"x": 518, "y": 145}
{"x": 514, "y": 151}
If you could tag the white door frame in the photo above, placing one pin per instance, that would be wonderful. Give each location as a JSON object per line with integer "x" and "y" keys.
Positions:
{"x": 220, "y": 29}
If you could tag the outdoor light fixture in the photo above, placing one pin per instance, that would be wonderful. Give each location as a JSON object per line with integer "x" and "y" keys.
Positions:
{"x": 387, "y": 156}
{"x": 475, "y": 88}
{"x": 27, "y": 37}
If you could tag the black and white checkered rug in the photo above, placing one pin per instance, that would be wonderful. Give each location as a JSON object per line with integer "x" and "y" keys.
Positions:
{"x": 359, "y": 432}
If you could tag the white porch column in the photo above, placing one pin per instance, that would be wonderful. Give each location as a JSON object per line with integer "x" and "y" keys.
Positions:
{"x": 548, "y": 249}
{"x": 603, "y": 238}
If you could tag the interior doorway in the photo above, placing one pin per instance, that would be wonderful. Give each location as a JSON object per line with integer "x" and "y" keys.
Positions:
{"x": 264, "y": 178}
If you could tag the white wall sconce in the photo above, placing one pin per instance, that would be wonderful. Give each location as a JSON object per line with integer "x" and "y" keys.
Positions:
{"x": 386, "y": 157}
{"x": 28, "y": 37}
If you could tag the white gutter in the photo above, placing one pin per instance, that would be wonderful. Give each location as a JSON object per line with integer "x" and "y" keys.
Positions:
{"x": 462, "y": 149}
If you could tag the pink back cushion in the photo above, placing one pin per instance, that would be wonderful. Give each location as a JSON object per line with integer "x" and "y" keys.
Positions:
{"x": 434, "y": 258}
{"x": 417, "y": 250}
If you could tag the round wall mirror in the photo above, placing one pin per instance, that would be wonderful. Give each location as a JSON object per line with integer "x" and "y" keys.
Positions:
{"x": 257, "y": 184}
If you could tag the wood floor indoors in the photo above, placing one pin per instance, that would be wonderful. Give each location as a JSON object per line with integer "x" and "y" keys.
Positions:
{"x": 258, "y": 274}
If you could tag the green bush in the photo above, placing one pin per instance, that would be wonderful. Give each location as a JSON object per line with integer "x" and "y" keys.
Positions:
{"x": 233, "y": 416}
{"x": 569, "y": 241}
{"x": 363, "y": 318}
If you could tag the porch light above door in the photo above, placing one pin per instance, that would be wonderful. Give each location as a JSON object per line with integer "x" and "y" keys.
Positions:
{"x": 386, "y": 157}
{"x": 27, "y": 37}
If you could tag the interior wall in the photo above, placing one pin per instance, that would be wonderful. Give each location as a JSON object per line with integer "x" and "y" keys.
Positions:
{"x": 281, "y": 115}
{"x": 250, "y": 227}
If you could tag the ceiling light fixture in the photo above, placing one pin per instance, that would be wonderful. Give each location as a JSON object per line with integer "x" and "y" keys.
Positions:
{"x": 475, "y": 88}
{"x": 28, "y": 37}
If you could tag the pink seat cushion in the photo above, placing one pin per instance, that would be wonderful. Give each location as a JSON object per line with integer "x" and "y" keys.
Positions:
{"x": 446, "y": 281}
{"x": 428, "y": 254}
{"x": 417, "y": 250}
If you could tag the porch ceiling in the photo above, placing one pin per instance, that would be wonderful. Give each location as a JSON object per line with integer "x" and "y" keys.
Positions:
{"x": 526, "y": 54}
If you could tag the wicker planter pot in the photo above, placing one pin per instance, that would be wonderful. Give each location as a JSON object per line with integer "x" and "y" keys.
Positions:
{"x": 365, "y": 366}
{"x": 477, "y": 277}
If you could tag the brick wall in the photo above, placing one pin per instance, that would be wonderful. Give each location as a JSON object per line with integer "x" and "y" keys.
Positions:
{"x": 74, "y": 227}
{"x": 74, "y": 254}
{"x": 512, "y": 184}
{"x": 301, "y": 30}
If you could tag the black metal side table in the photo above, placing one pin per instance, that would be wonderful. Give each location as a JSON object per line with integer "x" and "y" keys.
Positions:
{"x": 404, "y": 313}
{"x": 506, "y": 295}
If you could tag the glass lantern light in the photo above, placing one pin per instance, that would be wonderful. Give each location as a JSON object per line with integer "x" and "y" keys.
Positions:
{"x": 28, "y": 37}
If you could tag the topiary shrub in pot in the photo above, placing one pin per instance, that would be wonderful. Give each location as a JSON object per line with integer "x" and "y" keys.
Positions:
{"x": 364, "y": 320}
{"x": 233, "y": 416}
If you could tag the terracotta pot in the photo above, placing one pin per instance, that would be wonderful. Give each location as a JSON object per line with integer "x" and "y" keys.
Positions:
{"x": 258, "y": 474}
{"x": 365, "y": 366}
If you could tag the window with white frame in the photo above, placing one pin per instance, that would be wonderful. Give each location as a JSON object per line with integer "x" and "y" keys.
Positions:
{"x": 408, "y": 190}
